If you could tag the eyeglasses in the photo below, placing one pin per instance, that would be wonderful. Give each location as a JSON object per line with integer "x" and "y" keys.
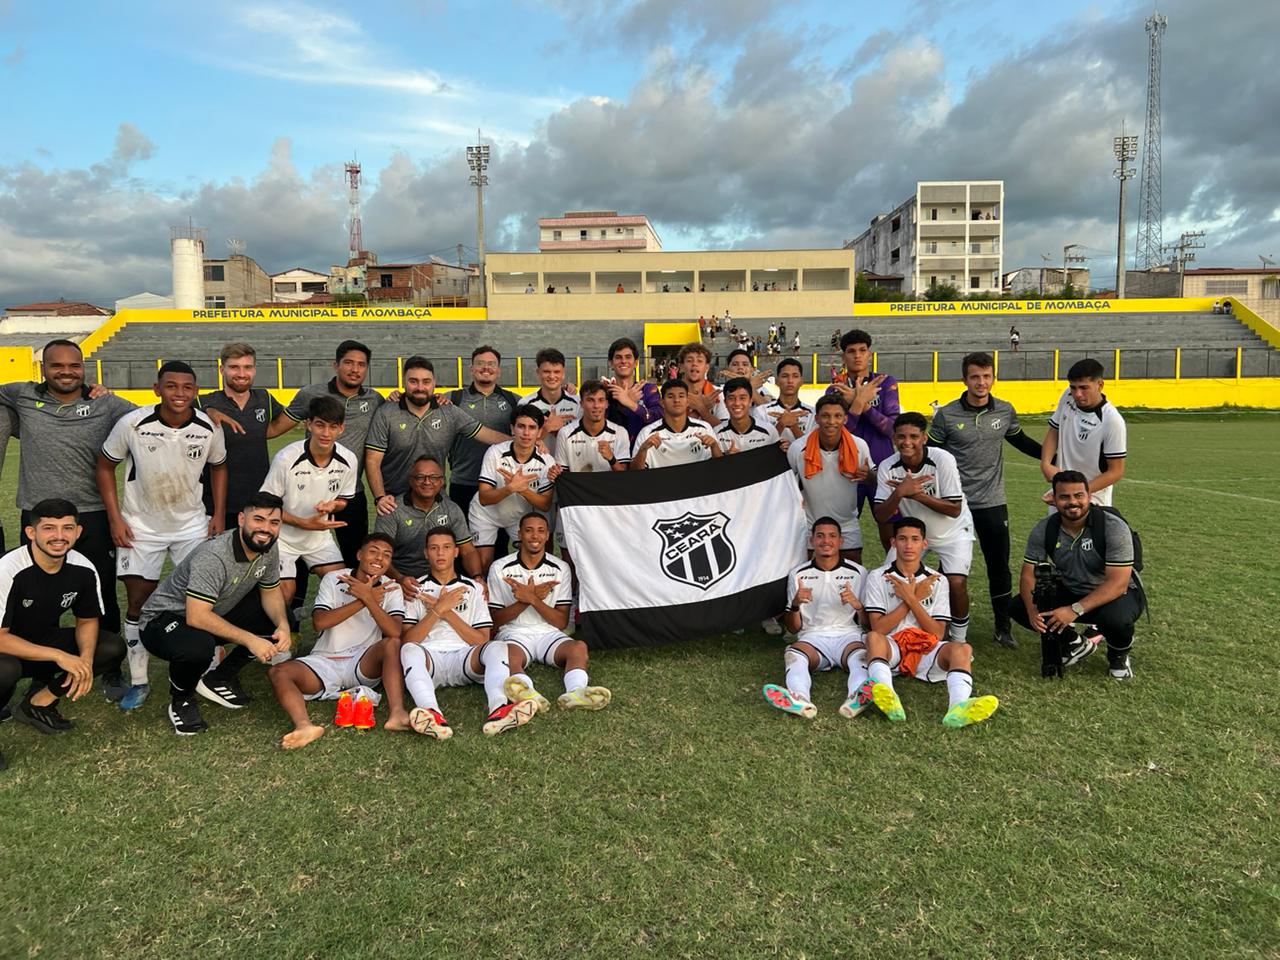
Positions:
{"x": 427, "y": 477}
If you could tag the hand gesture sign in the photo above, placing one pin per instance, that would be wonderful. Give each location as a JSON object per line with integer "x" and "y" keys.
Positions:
{"x": 904, "y": 589}
{"x": 803, "y": 595}
{"x": 368, "y": 593}
{"x": 448, "y": 600}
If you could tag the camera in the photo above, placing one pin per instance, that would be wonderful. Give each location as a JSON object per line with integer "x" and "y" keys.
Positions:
{"x": 1054, "y": 644}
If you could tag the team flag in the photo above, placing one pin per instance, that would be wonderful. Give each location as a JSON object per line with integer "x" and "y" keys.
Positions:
{"x": 685, "y": 551}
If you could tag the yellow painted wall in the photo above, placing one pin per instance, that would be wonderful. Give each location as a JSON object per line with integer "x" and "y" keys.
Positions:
{"x": 1260, "y": 316}
{"x": 1100, "y": 307}
{"x": 16, "y": 363}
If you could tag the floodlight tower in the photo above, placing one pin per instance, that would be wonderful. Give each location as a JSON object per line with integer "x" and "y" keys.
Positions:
{"x": 478, "y": 161}
{"x": 1148, "y": 252}
{"x": 355, "y": 240}
{"x": 1126, "y": 151}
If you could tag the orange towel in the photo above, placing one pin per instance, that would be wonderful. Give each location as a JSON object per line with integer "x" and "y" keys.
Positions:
{"x": 847, "y": 460}
{"x": 913, "y": 643}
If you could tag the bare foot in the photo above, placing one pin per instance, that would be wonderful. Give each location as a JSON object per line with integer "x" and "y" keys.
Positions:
{"x": 397, "y": 721}
{"x": 301, "y": 737}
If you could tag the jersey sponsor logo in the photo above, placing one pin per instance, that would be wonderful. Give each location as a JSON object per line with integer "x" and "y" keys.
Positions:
{"x": 83, "y": 410}
{"x": 39, "y": 404}
{"x": 696, "y": 549}
{"x": 194, "y": 451}
{"x": 69, "y": 598}
{"x": 470, "y": 405}
{"x": 402, "y": 426}
{"x": 260, "y": 415}
{"x": 302, "y": 486}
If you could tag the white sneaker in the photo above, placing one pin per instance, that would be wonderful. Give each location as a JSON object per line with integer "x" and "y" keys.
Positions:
{"x": 772, "y": 627}
{"x": 1122, "y": 672}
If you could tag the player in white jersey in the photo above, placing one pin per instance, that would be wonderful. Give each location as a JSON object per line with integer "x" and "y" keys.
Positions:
{"x": 677, "y": 438}
{"x": 530, "y": 596}
{"x": 162, "y": 512}
{"x": 908, "y": 607}
{"x": 445, "y": 643}
{"x": 1087, "y": 434}
{"x": 830, "y": 462}
{"x": 591, "y": 444}
{"x": 355, "y": 611}
{"x": 788, "y": 415}
{"x": 824, "y": 610}
{"x": 513, "y": 477}
{"x": 924, "y": 482}
{"x": 738, "y": 364}
{"x": 741, "y": 431}
{"x": 558, "y": 405}
{"x": 315, "y": 478}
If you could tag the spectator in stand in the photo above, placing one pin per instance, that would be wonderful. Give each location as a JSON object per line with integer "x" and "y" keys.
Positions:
{"x": 1014, "y": 338}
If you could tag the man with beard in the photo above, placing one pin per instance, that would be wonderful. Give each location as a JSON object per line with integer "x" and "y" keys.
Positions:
{"x": 633, "y": 403}
{"x": 493, "y": 406}
{"x": 207, "y": 601}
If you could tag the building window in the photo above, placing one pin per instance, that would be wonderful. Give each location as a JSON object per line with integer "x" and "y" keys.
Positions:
{"x": 896, "y": 225}
{"x": 215, "y": 272}
{"x": 281, "y": 287}
{"x": 385, "y": 280}
{"x": 933, "y": 280}
{"x": 933, "y": 213}
{"x": 895, "y": 255}
{"x": 604, "y": 234}
{"x": 313, "y": 286}
{"x": 582, "y": 234}
{"x": 555, "y": 234}
{"x": 215, "y": 303}
{"x": 975, "y": 248}
{"x": 973, "y": 282}
{"x": 631, "y": 231}
{"x": 1226, "y": 286}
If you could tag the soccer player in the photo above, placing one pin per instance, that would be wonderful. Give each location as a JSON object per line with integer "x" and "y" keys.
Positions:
{"x": 255, "y": 417}
{"x": 825, "y": 612}
{"x": 593, "y": 443}
{"x": 1098, "y": 585}
{"x": 633, "y": 403}
{"x": 738, "y": 364}
{"x": 676, "y": 438}
{"x": 446, "y": 644}
{"x": 556, "y": 403}
{"x": 39, "y": 583}
{"x": 347, "y": 386}
{"x": 315, "y": 477}
{"x": 907, "y": 604}
{"x": 424, "y": 508}
{"x": 418, "y": 425}
{"x": 514, "y": 477}
{"x": 63, "y": 426}
{"x": 1086, "y": 433}
{"x": 208, "y": 600}
{"x": 974, "y": 429}
{"x": 162, "y": 513}
{"x": 830, "y": 463}
{"x": 355, "y": 611}
{"x": 741, "y": 431}
{"x": 493, "y": 406}
{"x": 705, "y": 401}
{"x": 925, "y": 484}
{"x": 872, "y": 402}
{"x": 788, "y": 415}
{"x": 530, "y": 596}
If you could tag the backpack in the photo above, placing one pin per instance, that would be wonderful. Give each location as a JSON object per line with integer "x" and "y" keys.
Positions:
{"x": 1097, "y": 524}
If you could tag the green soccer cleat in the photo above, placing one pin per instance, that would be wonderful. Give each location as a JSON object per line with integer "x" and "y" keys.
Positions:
{"x": 585, "y": 698}
{"x": 784, "y": 700}
{"x": 886, "y": 699}
{"x": 859, "y": 702}
{"x": 973, "y": 710}
{"x": 516, "y": 690}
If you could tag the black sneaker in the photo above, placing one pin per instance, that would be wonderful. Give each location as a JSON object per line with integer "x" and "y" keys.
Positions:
{"x": 1080, "y": 648}
{"x": 1005, "y": 639}
{"x": 113, "y": 686}
{"x": 45, "y": 719}
{"x": 5, "y": 713}
{"x": 224, "y": 691}
{"x": 185, "y": 717}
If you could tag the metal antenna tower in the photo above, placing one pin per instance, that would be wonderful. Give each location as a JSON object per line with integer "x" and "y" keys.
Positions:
{"x": 1126, "y": 151}
{"x": 355, "y": 239}
{"x": 1147, "y": 254}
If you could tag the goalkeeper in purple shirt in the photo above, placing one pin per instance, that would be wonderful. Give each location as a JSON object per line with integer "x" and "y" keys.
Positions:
{"x": 872, "y": 403}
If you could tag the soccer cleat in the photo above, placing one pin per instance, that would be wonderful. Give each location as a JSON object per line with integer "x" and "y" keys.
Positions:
{"x": 859, "y": 702}
{"x": 886, "y": 700}
{"x": 972, "y": 710}
{"x": 45, "y": 719}
{"x": 1004, "y": 638}
{"x": 185, "y": 717}
{"x": 516, "y": 690}
{"x": 224, "y": 691}
{"x": 430, "y": 723}
{"x": 509, "y": 716}
{"x": 786, "y": 701}
{"x": 344, "y": 716}
{"x": 113, "y": 686}
{"x": 585, "y": 698}
{"x": 362, "y": 718}
{"x": 135, "y": 696}
{"x": 1122, "y": 670}
{"x": 772, "y": 627}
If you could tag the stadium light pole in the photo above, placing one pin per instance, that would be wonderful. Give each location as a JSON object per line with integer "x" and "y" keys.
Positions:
{"x": 478, "y": 161}
{"x": 1126, "y": 151}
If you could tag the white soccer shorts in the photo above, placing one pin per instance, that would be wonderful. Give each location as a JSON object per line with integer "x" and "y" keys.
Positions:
{"x": 485, "y": 526}
{"x": 450, "y": 668}
{"x": 338, "y": 673}
{"x": 146, "y": 557}
{"x": 330, "y": 554}
{"x": 831, "y": 647}
{"x": 927, "y": 669}
{"x": 539, "y": 647}
{"x": 954, "y": 556}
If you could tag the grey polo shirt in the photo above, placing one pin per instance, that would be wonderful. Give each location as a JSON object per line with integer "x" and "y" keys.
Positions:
{"x": 360, "y": 410}
{"x": 247, "y": 456}
{"x": 975, "y": 436}
{"x": 493, "y": 410}
{"x": 403, "y": 437}
{"x": 60, "y": 442}
{"x": 407, "y": 527}
{"x": 1081, "y": 567}
{"x": 218, "y": 572}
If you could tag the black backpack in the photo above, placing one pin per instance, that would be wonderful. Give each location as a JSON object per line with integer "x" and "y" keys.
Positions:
{"x": 1097, "y": 524}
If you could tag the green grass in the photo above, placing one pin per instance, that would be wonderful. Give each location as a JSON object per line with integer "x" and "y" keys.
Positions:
{"x": 1088, "y": 818}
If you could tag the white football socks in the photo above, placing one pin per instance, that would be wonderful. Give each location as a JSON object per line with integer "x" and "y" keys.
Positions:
{"x": 857, "y": 664}
{"x": 798, "y": 679}
{"x": 493, "y": 657}
{"x": 959, "y": 629}
{"x": 138, "y": 657}
{"x": 573, "y": 680}
{"x": 417, "y": 678}
{"x": 878, "y": 670}
{"x": 959, "y": 686}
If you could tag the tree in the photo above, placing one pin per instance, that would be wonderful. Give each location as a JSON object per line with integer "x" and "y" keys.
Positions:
{"x": 942, "y": 291}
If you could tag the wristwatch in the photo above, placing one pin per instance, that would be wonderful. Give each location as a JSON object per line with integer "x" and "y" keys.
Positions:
{"x": 1078, "y": 609}
{"x": 611, "y": 461}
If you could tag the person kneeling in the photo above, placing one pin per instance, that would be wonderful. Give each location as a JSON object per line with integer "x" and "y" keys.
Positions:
{"x": 356, "y": 611}
{"x": 907, "y": 635}
{"x": 446, "y": 644}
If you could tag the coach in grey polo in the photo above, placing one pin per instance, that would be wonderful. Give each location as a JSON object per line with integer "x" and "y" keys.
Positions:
{"x": 402, "y": 436}
{"x": 407, "y": 527}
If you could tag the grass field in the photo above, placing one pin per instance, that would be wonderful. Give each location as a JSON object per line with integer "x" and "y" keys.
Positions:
{"x": 1088, "y": 818}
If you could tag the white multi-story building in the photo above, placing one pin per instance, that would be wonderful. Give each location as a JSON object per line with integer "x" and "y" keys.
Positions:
{"x": 950, "y": 231}
{"x": 298, "y": 284}
{"x": 597, "y": 231}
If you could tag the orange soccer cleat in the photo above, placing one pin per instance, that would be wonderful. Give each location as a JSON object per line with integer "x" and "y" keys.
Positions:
{"x": 344, "y": 716}
{"x": 363, "y": 719}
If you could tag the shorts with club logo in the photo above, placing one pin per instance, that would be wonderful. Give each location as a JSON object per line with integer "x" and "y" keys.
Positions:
{"x": 955, "y": 555}
{"x": 325, "y": 556}
{"x": 831, "y": 646}
{"x": 338, "y": 673}
{"x": 450, "y": 668}
{"x": 485, "y": 524}
{"x": 538, "y": 646}
{"x": 146, "y": 557}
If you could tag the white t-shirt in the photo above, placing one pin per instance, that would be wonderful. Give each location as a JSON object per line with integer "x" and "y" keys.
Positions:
{"x": 677, "y": 446}
{"x": 942, "y": 480}
{"x": 163, "y": 493}
{"x": 878, "y": 595}
{"x": 567, "y": 405}
{"x": 579, "y": 452}
{"x": 826, "y": 613}
{"x": 353, "y": 634}
{"x": 829, "y": 493}
{"x": 301, "y": 483}
{"x": 768, "y": 413}
{"x": 758, "y": 435}
{"x": 502, "y": 456}
{"x": 529, "y": 622}
{"x": 473, "y": 610}
{"x": 1089, "y": 438}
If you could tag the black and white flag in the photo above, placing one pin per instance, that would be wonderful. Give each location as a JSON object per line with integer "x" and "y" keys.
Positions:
{"x": 681, "y": 552}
